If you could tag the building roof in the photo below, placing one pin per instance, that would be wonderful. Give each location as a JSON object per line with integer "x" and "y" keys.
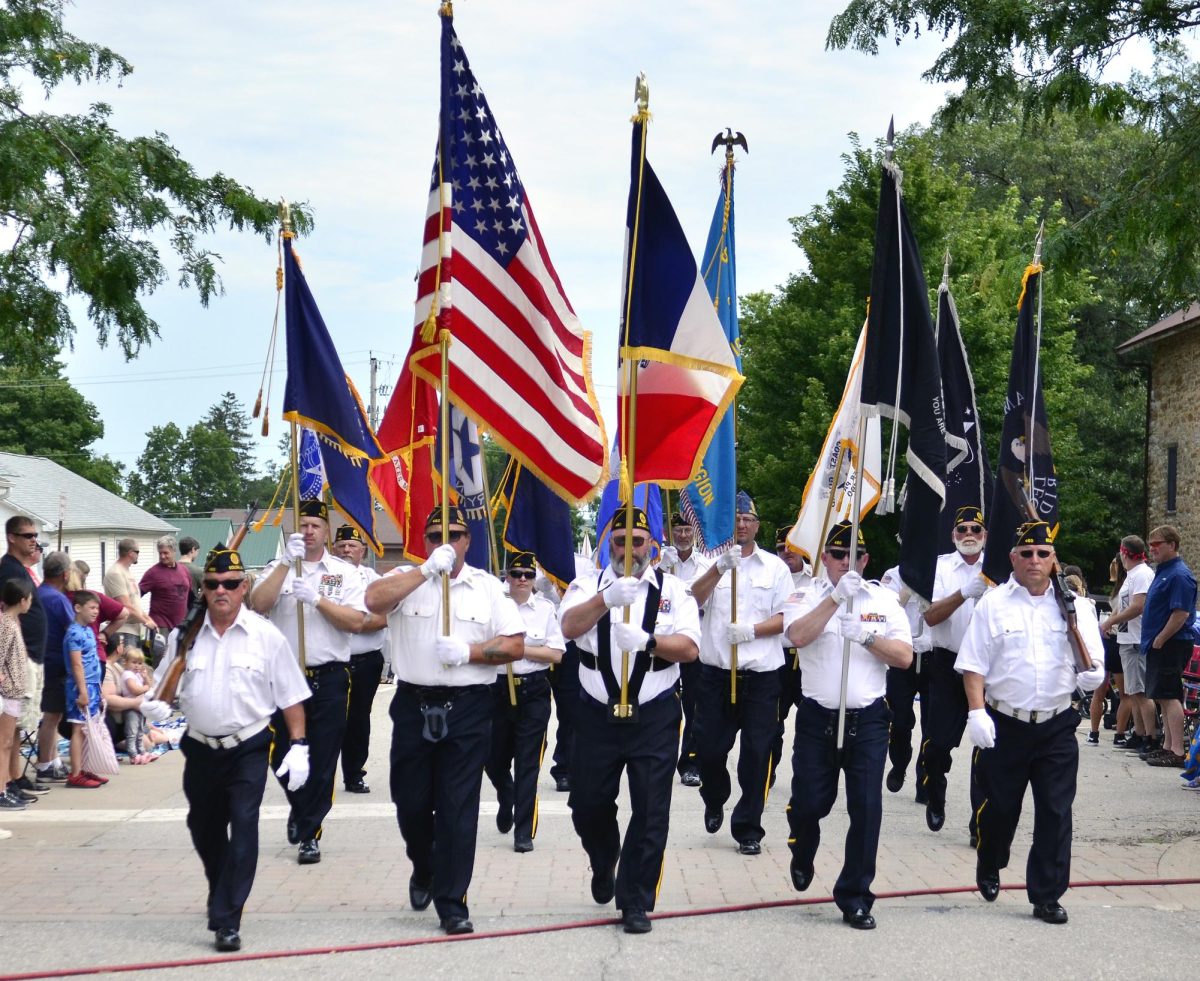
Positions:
{"x": 1169, "y": 326}
{"x": 47, "y": 491}
{"x": 258, "y": 548}
{"x": 385, "y": 527}
{"x": 209, "y": 532}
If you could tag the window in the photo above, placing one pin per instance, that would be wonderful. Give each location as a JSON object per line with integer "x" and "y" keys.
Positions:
{"x": 1172, "y": 476}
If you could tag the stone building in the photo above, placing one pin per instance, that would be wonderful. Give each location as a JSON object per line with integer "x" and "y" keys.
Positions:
{"x": 1172, "y": 347}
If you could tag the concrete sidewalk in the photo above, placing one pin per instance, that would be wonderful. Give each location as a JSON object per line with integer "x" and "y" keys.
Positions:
{"x": 109, "y": 877}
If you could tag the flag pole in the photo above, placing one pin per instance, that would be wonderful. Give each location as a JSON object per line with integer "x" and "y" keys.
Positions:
{"x": 495, "y": 552}
{"x": 837, "y": 473}
{"x": 733, "y": 575}
{"x": 855, "y": 518}
{"x": 1036, "y": 267}
{"x": 285, "y": 221}
{"x": 624, "y": 711}
{"x": 444, "y": 428}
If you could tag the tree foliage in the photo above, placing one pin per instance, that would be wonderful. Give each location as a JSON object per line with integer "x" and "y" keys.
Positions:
{"x": 85, "y": 205}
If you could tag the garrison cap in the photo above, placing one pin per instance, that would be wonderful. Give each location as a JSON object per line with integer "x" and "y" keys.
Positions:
{"x": 348, "y": 533}
{"x": 620, "y": 518}
{"x": 1033, "y": 533}
{"x": 314, "y": 509}
{"x": 224, "y": 560}
{"x": 968, "y": 513}
{"x": 781, "y": 537}
{"x": 456, "y": 517}
{"x": 745, "y": 504}
{"x": 525, "y": 561}
{"x": 839, "y": 536}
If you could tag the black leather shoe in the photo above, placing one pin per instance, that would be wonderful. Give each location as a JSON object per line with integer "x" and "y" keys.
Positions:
{"x": 636, "y": 921}
{"x": 750, "y": 847}
{"x": 972, "y": 840}
{"x": 358, "y": 787}
{"x": 922, "y": 796}
{"x": 310, "y": 852}
{"x": 504, "y": 814}
{"x": 714, "y": 817}
{"x": 292, "y": 836}
{"x": 604, "y": 884}
{"x": 228, "y": 939}
{"x": 860, "y": 919}
{"x": 935, "y": 817}
{"x": 801, "y": 878}
{"x": 419, "y": 896}
{"x": 1050, "y": 913}
{"x": 895, "y": 779}
{"x": 988, "y": 882}
{"x": 456, "y": 926}
{"x": 689, "y": 778}
{"x": 562, "y": 784}
{"x": 523, "y": 845}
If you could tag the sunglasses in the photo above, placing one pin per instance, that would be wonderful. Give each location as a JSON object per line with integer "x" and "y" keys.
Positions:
{"x": 968, "y": 529}
{"x": 523, "y": 575}
{"x": 838, "y": 554}
{"x": 229, "y": 585}
{"x": 27, "y": 535}
{"x": 619, "y": 541}
{"x": 436, "y": 536}
{"x": 1029, "y": 553}
{"x": 1157, "y": 543}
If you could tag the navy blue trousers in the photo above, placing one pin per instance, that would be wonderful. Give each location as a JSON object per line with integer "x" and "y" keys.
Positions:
{"x": 518, "y": 742}
{"x": 366, "y": 671}
{"x": 564, "y": 683}
{"x": 903, "y": 686}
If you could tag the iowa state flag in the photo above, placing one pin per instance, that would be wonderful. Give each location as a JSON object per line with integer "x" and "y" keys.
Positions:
{"x": 687, "y": 374}
{"x": 1026, "y": 471}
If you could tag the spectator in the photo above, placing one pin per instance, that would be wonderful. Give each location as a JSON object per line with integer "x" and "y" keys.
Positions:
{"x": 170, "y": 586}
{"x": 17, "y": 595}
{"x": 189, "y": 549}
{"x": 121, "y": 586}
{"x": 112, "y": 614}
{"x": 117, "y": 704}
{"x": 1168, "y": 633}
{"x": 22, "y": 553}
{"x": 1125, "y": 623}
{"x": 59, "y": 616}
{"x": 135, "y": 680}
{"x": 83, "y": 684}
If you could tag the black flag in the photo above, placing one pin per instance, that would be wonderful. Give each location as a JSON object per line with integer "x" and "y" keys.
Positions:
{"x": 1026, "y": 473}
{"x": 901, "y": 380}
{"x": 968, "y": 473}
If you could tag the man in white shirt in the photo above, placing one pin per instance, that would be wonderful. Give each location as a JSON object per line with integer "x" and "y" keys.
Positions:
{"x": 519, "y": 730}
{"x": 1019, "y": 673}
{"x": 745, "y": 701}
{"x": 876, "y": 634}
{"x": 239, "y": 671}
{"x": 958, "y": 584}
{"x": 329, "y": 596}
{"x": 1125, "y": 622}
{"x": 683, "y": 561}
{"x": 366, "y": 666}
{"x": 442, "y": 710}
{"x": 627, "y": 722}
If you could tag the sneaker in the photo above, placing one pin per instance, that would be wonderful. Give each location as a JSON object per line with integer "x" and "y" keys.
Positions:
{"x": 94, "y": 776}
{"x": 55, "y": 771}
{"x": 1193, "y": 784}
{"x": 1093, "y": 739}
{"x": 1168, "y": 759}
{"x": 21, "y": 795}
{"x": 82, "y": 780}
{"x": 1134, "y": 742}
{"x": 32, "y": 786}
{"x": 1120, "y": 740}
{"x": 10, "y": 803}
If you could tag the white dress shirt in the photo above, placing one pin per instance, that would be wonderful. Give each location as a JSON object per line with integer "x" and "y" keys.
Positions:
{"x": 821, "y": 661}
{"x": 689, "y": 569}
{"x": 952, "y": 574}
{"x": 337, "y": 581}
{"x": 479, "y": 611}
{"x": 238, "y": 678}
{"x": 922, "y": 638}
{"x": 677, "y": 614}
{"x": 764, "y": 584}
{"x": 541, "y": 630}
{"x": 376, "y": 640}
{"x": 1018, "y": 642}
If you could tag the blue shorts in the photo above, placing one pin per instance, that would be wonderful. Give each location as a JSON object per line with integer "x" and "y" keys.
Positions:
{"x": 74, "y": 713}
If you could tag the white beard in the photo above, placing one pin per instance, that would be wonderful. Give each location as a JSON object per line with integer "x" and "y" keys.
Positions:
{"x": 972, "y": 547}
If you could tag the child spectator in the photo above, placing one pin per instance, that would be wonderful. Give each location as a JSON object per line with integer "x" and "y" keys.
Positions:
{"x": 83, "y": 683}
{"x": 17, "y": 595}
{"x": 135, "y": 680}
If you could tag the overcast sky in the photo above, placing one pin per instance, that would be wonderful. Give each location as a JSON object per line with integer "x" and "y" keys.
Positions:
{"x": 335, "y": 104}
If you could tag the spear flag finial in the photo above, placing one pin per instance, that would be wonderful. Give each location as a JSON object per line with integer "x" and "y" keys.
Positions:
{"x": 890, "y": 146}
{"x": 1037, "y": 249}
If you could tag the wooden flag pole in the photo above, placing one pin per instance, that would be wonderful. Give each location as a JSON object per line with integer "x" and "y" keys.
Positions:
{"x": 444, "y": 428}
{"x": 856, "y": 517}
{"x": 495, "y": 553}
{"x": 837, "y": 473}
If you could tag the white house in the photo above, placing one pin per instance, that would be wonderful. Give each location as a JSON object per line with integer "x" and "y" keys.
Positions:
{"x": 93, "y": 519}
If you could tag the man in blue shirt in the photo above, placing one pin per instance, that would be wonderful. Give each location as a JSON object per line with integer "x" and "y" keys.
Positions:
{"x": 60, "y": 614}
{"x": 1168, "y": 635}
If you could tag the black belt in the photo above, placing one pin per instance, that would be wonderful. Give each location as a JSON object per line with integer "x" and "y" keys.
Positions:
{"x": 355, "y": 657}
{"x": 661, "y": 696}
{"x": 588, "y": 660}
{"x": 317, "y": 670}
{"x": 434, "y": 692}
{"x": 522, "y": 679}
{"x": 851, "y": 714}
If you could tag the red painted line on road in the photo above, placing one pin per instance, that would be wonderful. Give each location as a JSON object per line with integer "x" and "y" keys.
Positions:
{"x": 547, "y": 928}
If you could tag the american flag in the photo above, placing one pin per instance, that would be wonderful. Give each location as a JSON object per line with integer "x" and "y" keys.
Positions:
{"x": 519, "y": 358}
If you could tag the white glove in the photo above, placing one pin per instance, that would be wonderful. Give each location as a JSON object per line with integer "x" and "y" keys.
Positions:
{"x": 452, "y": 651}
{"x": 630, "y": 637}
{"x": 440, "y": 560}
{"x": 154, "y": 710}
{"x": 669, "y": 557}
{"x": 305, "y": 592}
{"x": 847, "y": 587}
{"x": 620, "y": 592}
{"x": 728, "y": 561}
{"x": 851, "y": 628}
{"x": 975, "y": 588}
{"x": 981, "y": 729}
{"x": 294, "y": 548}
{"x": 739, "y": 633}
{"x": 295, "y": 766}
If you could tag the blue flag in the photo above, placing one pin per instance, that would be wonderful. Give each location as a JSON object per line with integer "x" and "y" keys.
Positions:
{"x": 538, "y": 521}
{"x": 707, "y": 502}
{"x": 466, "y": 479}
{"x": 312, "y": 469}
{"x": 321, "y": 397}
{"x": 648, "y": 497}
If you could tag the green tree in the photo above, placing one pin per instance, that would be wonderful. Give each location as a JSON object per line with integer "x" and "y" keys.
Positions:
{"x": 158, "y": 479}
{"x": 229, "y": 416}
{"x": 41, "y": 414}
{"x": 186, "y": 473}
{"x": 85, "y": 206}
